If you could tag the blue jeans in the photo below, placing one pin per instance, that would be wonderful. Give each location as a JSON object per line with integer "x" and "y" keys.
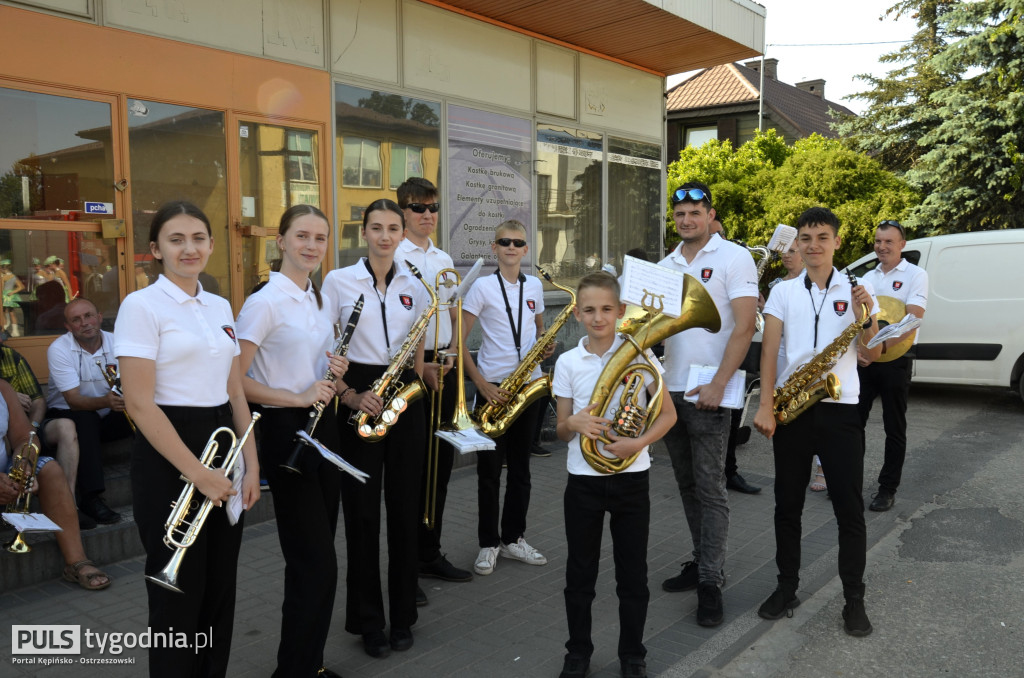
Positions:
{"x": 696, "y": 445}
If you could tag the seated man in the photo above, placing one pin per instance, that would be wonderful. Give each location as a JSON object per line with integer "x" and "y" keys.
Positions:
{"x": 78, "y": 391}
{"x": 56, "y": 434}
{"x": 51, "y": 489}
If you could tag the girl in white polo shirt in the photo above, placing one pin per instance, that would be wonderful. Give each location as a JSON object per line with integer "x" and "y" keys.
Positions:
{"x": 393, "y": 300}
{"x": 178, "y": 355}
{"x": 286, "y": 335}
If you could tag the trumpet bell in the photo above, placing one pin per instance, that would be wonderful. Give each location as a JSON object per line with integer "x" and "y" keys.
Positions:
{"x": 17, "y": 545}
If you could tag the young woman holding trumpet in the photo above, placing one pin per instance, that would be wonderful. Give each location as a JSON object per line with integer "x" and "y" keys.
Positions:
{"x": 286, "y": 335}
{"x": 181, "y": 378}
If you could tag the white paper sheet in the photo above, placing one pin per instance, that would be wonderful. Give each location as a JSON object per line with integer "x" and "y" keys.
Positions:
{"x": 735, "y": 390}
{"x": 643, "y": 281}
{"x": 333, "y": 458}
{"x": 470, "y": 440}
{"x": 31, "y": 522}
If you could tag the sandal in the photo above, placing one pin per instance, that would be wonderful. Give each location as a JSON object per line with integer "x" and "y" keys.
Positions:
{"x": 819, "y": 482}
{"x": 90, "y": 581}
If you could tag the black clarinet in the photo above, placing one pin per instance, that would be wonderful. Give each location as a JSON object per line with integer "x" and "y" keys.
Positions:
{"x": 340, "y": 348}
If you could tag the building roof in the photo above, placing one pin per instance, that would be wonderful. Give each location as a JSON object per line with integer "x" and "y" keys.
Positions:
{"x": 733, "y": 88}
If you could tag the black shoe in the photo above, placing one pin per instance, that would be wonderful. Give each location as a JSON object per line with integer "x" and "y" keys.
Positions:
{"x": 99, "y": 511}
{"x": 709, "y": 604}
{"x": 574, "y": 667}
{"x": 743, "y": 435}
{"x": 633, "y": 667}
{"x": 855, "y": 618}
{"x": 538, "y": 451}
{"x": 421, "y": 597}
{"x": 882, "y": 501}
{"x": 442, "y": 569}
{"x": 736, "y": 482}
{"x": 779, "y": 604}
{"x": 686, "y": 581}
{"x": 401, "y": 639}
{"x": 376, "y": 645}
{"x": 85, "y": 522}
{"x": 325, "y": 672}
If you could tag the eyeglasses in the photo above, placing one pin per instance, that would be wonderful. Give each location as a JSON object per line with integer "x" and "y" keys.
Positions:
{"x": 505, "y": 242}
{"x": 894, "y": 224}
{"x": 694, "y": 194}
{"x": 420, "y": 208}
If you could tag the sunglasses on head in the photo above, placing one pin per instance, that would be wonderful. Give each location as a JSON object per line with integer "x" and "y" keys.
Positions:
{"x": 420, "y": 207}
{"x": 694, "y": 194}
{"x": 894, "y": 224}
{"x": 505, "y": 242}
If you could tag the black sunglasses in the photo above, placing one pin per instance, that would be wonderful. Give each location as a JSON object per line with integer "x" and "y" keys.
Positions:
{"x": 894, "y": 224}
{"x": 420, "y": 208}
{"x": 694, "y": 194}
{"x": 505, "y": 242}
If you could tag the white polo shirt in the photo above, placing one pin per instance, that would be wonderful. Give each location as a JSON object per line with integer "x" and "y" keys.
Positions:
{"x": 906, "y": 282}
{"x": 290, "y": 332}
{"x": 71, "y": 366}
{"x": 576, "y": 374}
{"x": 191, "y": 340}
{"x": 429, "y": 262}
{"x": 497, "y": 356}
{"x": 795, "y": 306}
{"x": 727, "y": 272}
{"x": 400, "y": 305}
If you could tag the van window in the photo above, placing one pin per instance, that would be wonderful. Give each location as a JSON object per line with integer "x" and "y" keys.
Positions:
{"x": 913, "y": 256}
{"x": 980, "y": 272}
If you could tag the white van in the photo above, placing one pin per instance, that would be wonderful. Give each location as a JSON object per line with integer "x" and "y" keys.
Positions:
{"x": 973, "y": 329}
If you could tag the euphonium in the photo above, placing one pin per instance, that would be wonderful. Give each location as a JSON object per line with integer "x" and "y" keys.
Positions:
{"x": 389, "y": 386}
{"x": 114, "y": 382}
{"x": 814, "y": 380}
{"x": 494, "y": 419}
{"x": 23, "y": 472}
{"x": 186, "y": 520}
{"x": 630, "y": 418}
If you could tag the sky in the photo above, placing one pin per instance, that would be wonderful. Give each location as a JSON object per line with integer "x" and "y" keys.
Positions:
{"x": 823, "y": 24}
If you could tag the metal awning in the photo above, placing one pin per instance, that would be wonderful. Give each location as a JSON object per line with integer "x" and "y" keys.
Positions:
{"x": 665, "y": 36}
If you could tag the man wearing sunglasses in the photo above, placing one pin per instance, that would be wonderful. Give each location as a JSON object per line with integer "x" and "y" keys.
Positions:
{"x": 418, "y": 199}
{"x": 893, "y": 277}
{"x": 697, "y": 443}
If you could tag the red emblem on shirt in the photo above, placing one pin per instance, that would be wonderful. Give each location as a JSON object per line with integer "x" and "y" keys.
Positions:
{"x": 406, "y": 301}
{"x": 705, "y": 273}
{"x": 532, "y": 304}
{"x": 229, "y": 330}
{"x": 896, "y": 285}
{"x": 840, "y": 307}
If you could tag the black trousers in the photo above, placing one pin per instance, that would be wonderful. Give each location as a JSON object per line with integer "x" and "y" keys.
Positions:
{"x": 833, "y": 432}
{"x": 208, "y": 570}
{"x": 92, "y": 430}
{"x": 731, "y": 468}
{"x": 395, "y": 464}
{"x": 429, "y": 540}
{"x": 306, "y": 506}
{"x": 891, "y": 381}
{"x": 625, "y": 497}
{"x": 513, "y": 449}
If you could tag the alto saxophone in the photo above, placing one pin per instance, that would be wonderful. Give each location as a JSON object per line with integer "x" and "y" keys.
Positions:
{"x": 814, "y": 380}
{"x": 389, "y": 386}
{"x": 495, "y": 418}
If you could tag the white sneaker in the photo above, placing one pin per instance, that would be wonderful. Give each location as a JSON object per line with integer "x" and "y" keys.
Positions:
{"x": 520, "y": 550}
{"x": 485, "y": 560}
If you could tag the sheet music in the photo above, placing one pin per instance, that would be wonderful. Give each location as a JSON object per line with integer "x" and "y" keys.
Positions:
{"x": 31, "y": 522}
{"x": 735, "y": 390}
{"x": 234, "y": 506}
{"x": 644, "y": 282}
{"x": 335, "y": 459}
{"x": 470, "y": 440}
{"x": 909, "y": 322}
{"x": 782, "y": 238}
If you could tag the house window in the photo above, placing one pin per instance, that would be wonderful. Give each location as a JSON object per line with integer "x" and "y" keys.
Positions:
{"x": 406, "y": 161}
{"x": 301, "y": 159}
{"x": 696, "y": 136}
{"x": 360, "y": 163}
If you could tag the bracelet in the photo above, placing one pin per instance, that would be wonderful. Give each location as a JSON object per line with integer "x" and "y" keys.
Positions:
{"x": 341, "y": 397}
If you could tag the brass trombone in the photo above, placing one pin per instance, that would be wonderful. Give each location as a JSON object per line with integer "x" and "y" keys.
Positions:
{"x": 23, "y": 472}
{"x": 183, "y": 524}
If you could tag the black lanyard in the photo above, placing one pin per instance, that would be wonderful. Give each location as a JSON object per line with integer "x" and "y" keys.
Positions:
{"x": 817, "y": 311}
{"x": 517, "y": 332}
{"x": 383, "y": 306}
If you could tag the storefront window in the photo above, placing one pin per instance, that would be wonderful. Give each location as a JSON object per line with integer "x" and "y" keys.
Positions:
{"x": 635, "y": 214}
{"x": 569, "y": 165}
{"x": 56, "y": 158}
{"x": 377, "y": 133}
{"x": 178, "y": 153}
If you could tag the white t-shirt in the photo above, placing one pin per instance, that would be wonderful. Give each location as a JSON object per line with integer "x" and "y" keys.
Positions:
{"x": 576, "y": 374}
{"x": 727, "y": 272}
{"x": 497, "y": 357}
{"x": 71, "y": 366}
{"x": 429, "y": 262}
{"x": 290, "y": 332}
{"x": 795, "y": 305}
{"x": 401, "y": 304}
{"x": 906, "y": 282}
{"x": 191, "y": 340}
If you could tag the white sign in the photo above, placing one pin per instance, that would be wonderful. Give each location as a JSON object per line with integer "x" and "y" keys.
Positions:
{"x": 46, "y": 639}
{"x": 99, "y": 208}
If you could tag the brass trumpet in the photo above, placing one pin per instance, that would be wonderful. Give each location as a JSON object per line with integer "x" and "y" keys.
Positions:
{"x": 23, "y": 472}
{"x": 184, "y": 523}
{"x": 114, "y": 382}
